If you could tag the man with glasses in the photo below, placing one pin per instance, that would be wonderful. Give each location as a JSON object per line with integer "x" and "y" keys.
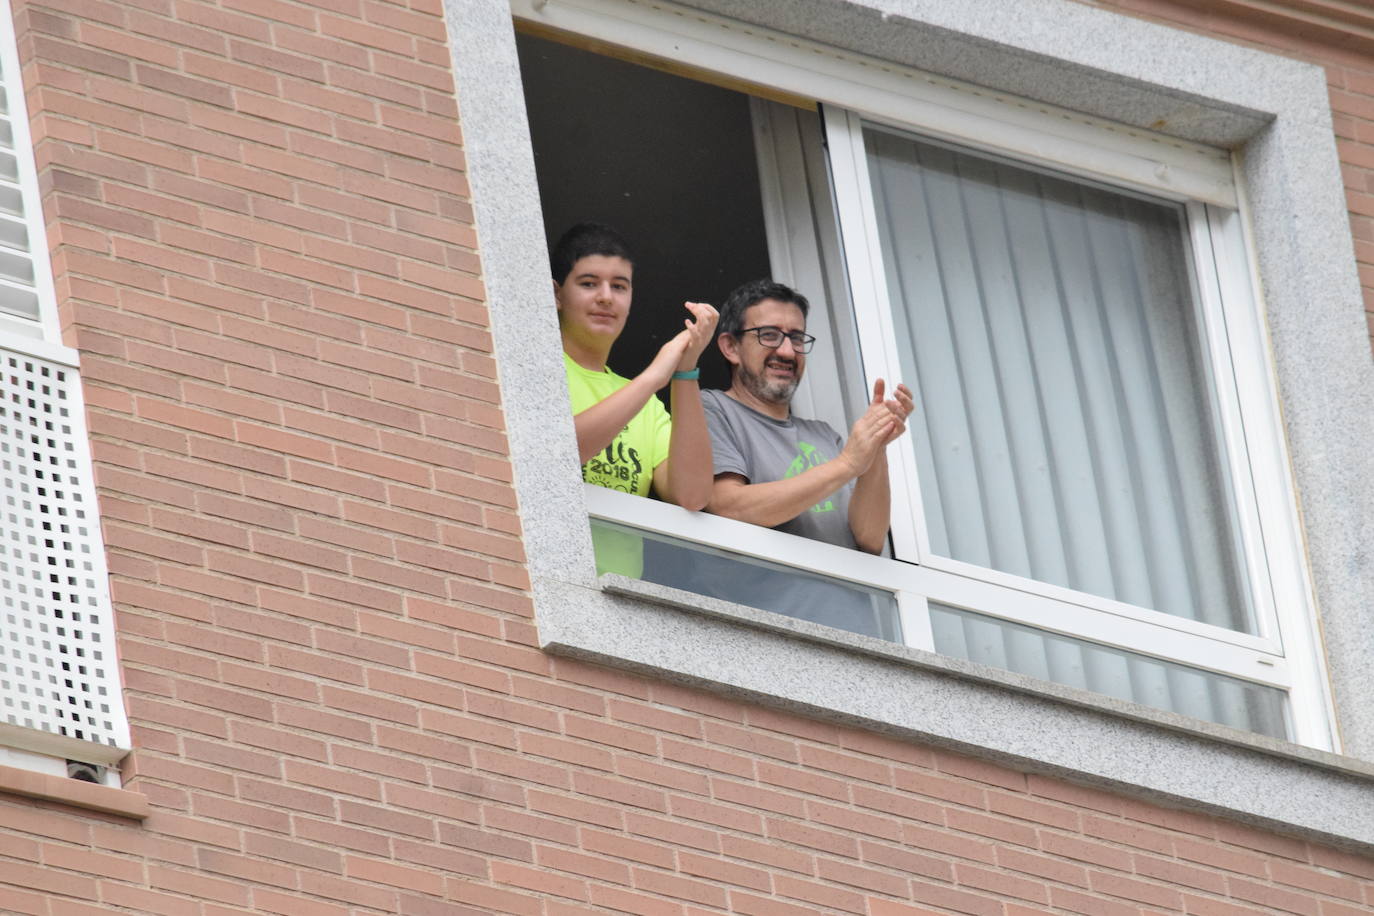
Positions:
{"x": 782, "y": 471}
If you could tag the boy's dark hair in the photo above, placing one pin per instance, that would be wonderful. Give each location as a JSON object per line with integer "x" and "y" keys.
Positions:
{"x": 751, "y": 293}
{"x": 584, "y": 240}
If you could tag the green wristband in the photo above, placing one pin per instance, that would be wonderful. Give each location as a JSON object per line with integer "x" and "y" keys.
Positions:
{"x": 689, "y": 376}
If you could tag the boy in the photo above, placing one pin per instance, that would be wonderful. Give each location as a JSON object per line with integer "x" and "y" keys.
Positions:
{"x": 625, "y": 439}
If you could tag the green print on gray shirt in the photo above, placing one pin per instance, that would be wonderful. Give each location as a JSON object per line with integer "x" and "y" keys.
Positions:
{"x": 808, "y": 456}
{"x": 762, "y": 449}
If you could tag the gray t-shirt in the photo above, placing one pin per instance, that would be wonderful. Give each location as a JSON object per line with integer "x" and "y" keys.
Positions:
{"x": 762, "y": 449}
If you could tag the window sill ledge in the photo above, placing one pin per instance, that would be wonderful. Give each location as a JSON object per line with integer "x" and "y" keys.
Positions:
{"x": 957, "y": 667}
{"x": 73, "y": 792}
{"x": 966, "y": 707}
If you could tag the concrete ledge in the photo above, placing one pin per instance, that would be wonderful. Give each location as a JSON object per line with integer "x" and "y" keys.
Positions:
{"x": 73, "y": 792}
{"x": 1157, "y": 756}
{"x": 958, "y": 667}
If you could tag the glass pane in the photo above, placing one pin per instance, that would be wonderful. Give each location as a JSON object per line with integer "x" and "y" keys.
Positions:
{"x": 743, "y": 580}
{"x": 1114, "y": 672}
{"x": 1066, "y": 429}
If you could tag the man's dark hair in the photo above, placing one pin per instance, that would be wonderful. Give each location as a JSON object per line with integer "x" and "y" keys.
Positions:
{"x": 583, "y": 241}
{"x": 751, "y": 293}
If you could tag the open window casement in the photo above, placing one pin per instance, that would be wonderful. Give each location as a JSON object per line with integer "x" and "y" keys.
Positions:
{"x": 1078, "y": 450}
{"x": 1077, "y": 480}
{"x": 1094, "y": 489}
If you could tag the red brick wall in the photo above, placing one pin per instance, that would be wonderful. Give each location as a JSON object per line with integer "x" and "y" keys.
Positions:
{"x": 1334, "y": 35}
{"x": 264, "y": 251}
{"x": 571, "y": 789}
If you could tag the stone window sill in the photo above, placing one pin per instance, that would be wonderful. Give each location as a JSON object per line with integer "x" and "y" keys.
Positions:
{"x": 73, "y": 792}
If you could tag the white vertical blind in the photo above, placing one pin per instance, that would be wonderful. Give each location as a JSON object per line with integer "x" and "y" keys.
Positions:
{"x": 1065, "y": 431}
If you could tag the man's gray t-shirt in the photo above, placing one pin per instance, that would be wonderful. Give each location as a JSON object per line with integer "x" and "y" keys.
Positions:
{"x": 762, "y": 449}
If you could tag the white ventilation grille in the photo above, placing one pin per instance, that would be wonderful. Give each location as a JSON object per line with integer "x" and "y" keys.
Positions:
{"x": 58, "y": 667}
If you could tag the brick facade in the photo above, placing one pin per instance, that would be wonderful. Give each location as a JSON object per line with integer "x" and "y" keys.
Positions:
{"x": 264, "y": 251}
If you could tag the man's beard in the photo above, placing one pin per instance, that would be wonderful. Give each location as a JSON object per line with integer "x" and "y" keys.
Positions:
{"x": 770, "y": 391}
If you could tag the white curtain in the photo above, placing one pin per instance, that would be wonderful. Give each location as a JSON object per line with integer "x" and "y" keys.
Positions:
{"x": 1066, "y": 432}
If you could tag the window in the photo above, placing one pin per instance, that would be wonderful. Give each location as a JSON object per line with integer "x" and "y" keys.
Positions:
{"x": 1096, "y": 493}
{"x": 1079, "y": 437}
{"x": 60, "y": 698}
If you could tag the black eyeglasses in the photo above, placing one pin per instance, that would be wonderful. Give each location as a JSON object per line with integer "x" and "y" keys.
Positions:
{"x": 771, "y": 337}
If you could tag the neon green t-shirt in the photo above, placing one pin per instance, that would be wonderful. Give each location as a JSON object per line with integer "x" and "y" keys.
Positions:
{"x": 627, "y": 464}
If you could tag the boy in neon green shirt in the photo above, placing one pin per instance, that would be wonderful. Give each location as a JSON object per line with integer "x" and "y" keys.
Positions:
{"x": 625, "y": 439}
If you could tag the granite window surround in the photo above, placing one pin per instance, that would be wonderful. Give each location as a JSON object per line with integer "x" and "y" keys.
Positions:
{"x": 1274, "y": 114}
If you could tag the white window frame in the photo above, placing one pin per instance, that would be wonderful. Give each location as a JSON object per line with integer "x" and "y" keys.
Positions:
{"x": 1202, "y": 177}
{"x": 37, "y": 743}
{"x": 1241, "y": 382}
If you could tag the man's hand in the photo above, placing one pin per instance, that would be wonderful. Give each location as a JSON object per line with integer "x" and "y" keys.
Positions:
{"x": 700, "y": 332}
{"x": 900, "y": 406}
{"x": 685, "y": 478}
{"x": 681, "y": 352}
{"x": 871, "y": 503}
{"x": 882, "y": 422}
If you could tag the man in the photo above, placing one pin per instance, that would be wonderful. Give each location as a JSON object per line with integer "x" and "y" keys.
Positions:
{"x": 625, "y": 439}
{"x": 781, "y": 471}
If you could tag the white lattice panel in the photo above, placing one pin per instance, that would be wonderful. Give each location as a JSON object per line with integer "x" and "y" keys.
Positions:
{"x": 58, "y": 668}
